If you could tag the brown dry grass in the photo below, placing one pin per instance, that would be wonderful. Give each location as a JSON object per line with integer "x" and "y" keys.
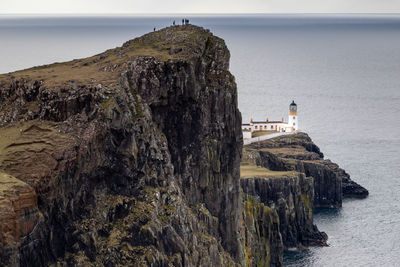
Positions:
{"x": 253, "y": 171}
{"x": 170, "y": 43}
{"x": 298, "y": 150}
{"x": 262, "y": 133}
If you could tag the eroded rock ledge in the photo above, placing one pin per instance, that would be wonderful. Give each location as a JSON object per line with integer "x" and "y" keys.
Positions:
{"x": 298, "y": 153}
{"x": 283, "y": 179}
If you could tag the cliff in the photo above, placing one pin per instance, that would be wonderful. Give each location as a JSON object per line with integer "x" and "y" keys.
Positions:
{"x": 288, "y": 194}
{"x": 297, "y": 152}
{"x": 132, "y": 158}
{"x": 283, "y": 179}
{"x": 129, "y": 157}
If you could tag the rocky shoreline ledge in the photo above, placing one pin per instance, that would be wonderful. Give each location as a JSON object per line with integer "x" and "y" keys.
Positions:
{"x": 289, "y": 176}
{"x": 297, "y": 152}
{"x": 132, "y": 158}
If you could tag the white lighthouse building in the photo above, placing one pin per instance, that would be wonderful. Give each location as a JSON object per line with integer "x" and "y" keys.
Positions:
{"x": 290, "y": 126}
{"x": 292, "y": 121}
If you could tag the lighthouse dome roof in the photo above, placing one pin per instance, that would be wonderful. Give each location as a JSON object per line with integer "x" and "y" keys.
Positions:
{"x": 293, "y": 104}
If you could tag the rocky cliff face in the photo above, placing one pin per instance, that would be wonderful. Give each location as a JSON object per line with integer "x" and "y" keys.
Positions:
{"x": 297, "y": 152}
{"x": 287, "y": 195}
{"x": 133, "y": 155}
{"x": 262, "y": 241}
{"x": 283, "y": 179}
{"x": 291, "y": 197}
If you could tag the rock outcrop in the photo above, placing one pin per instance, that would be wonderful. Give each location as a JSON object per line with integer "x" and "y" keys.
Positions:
{"x": 283, "y": 179}
{"x": 297, "y": 152}
{"x": 133, "y": 155}
{"x": 288, "y": 196}
{"x": 262, "y": 241}
{"x": 291, "y": 197}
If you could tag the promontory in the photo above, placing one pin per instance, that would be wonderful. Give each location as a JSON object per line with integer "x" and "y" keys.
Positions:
{"x": 133, "y": 157}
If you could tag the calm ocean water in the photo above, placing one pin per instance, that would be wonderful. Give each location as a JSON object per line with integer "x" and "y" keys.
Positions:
{"x": 343, "y": 72}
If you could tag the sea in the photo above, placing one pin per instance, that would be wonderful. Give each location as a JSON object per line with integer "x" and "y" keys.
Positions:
{"x": 343, "y": 71}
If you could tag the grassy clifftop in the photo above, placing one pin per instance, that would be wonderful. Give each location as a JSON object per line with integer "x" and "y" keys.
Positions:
{"x": 171, "y": 43}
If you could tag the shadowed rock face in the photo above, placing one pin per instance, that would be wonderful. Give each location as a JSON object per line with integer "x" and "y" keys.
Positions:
{"x": 262, "y": 240}
{"x": 288, "y": 198}
{"x": 195, "y": 105}
{"x": 133, "y": 155}
{"x": 291, "y": 198}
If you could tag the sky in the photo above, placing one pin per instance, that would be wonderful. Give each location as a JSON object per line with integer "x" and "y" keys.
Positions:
{"x": 196, "y": 6}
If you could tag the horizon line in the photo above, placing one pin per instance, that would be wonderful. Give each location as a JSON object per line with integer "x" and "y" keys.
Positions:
{"x": 194, "y": 13}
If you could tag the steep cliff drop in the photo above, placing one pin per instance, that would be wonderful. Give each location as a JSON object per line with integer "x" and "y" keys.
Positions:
{"x": 298, "y": 153}
{"x": 283, "y": 179}
{"x": 129, "y": 157}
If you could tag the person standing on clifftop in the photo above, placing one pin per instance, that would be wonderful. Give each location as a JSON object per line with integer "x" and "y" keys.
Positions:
{"x": 173, "y": 23}
{"x": 183, "y": 22}
{"x": 154, "y": 29}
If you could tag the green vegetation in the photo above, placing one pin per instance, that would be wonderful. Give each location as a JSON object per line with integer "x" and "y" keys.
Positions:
{"x": 258, "y": 219}
{"x": 261, "y": 133}
{"x": 307, "y": 202}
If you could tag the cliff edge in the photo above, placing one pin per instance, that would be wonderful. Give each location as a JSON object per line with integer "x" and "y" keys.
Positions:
{"x": 283, "y": 179}
{"x": 297, "y": 152}
{"x": 129, "y": 157}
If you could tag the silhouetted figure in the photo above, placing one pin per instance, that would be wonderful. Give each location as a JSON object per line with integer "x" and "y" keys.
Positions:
{"x": 183, "y": 22}
{"x": 173, "y": 23}
{"x": 154, "y": 29}
{"x": 187, "y": 22}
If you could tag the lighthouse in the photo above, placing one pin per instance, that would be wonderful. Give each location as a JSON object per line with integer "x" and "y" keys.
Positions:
{"x": 292, "y": 121}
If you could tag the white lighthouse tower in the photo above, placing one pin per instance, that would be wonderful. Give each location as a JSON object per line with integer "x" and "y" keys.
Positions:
{"x": 292, "y": 121}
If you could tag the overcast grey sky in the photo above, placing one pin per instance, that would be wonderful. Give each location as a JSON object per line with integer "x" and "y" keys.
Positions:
{"x": 199, "y": 6}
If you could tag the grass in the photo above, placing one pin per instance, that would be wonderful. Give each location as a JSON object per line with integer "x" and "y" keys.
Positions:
{"x": 253, "y": 171}
{"x": 297, "y": 150}
{"x": 171, "y": 43}
{"x": 262, "y": 133}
